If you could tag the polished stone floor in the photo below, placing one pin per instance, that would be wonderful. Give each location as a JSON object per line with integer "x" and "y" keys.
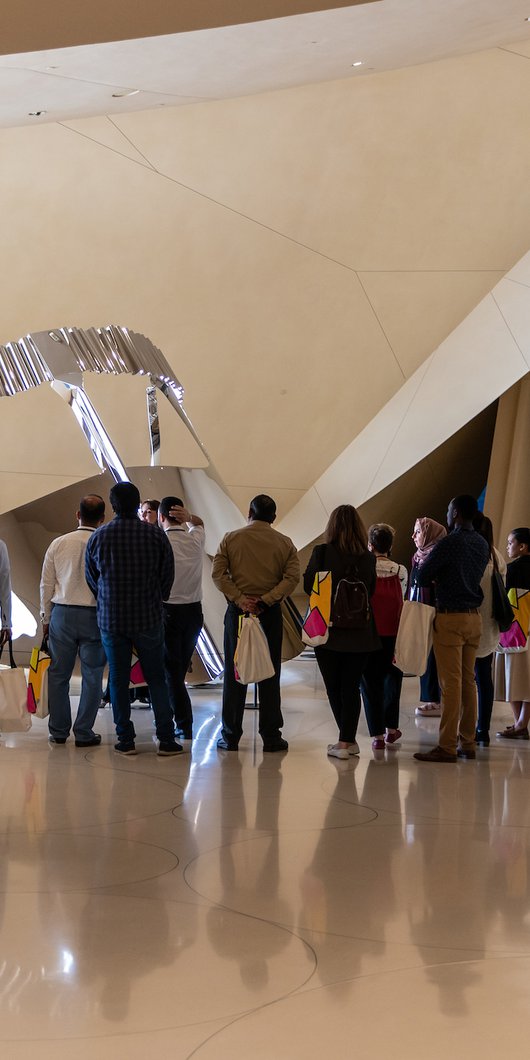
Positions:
{"x": 270, "y": 907}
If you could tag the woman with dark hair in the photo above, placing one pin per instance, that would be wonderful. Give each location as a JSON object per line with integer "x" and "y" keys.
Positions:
{"x": 342, "y": 659}
{"x": 426, "y": 534}
{"x": 149, "y": 511}
{"x": 512, "y": 672}
{"x": 489, "y": 637}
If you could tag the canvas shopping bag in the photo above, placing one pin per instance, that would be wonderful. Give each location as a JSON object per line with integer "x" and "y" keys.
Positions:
{"x": 252, "y": 659}
{"x": 14, "y": 714}
{"x": 38, "y": 680}
{"x": 315, "y": 628}
{"x": 136, "y": 677}
{"x": 43, "y": 709}
{"x": 515, "y": 639}
{"x": 414, "y": 637}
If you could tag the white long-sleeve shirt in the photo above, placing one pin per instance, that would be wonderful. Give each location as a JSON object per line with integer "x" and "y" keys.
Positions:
{"x": 5, "y": 586}
{"x": 187, "y": 543}
{"x": 63, "y": 573}
{"x": 386, "y": 568}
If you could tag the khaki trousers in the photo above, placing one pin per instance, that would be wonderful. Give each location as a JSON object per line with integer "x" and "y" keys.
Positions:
{"x": 455, "y": 641}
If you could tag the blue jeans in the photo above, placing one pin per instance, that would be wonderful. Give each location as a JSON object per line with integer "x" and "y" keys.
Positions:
{"x": 74, "y": 631}
{"x": 150, "y": 648}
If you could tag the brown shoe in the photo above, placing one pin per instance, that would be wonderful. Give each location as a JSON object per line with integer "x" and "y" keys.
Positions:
{"x": 436, "y": 755}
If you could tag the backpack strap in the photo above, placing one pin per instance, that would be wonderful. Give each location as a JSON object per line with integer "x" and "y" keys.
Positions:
{"x": 322, "y": 557}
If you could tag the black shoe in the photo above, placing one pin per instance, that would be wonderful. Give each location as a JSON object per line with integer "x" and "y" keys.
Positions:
{"x": 223, "y": 745}
{"x": 94, "y": 742}
{"x": 482, "y": 737}
{"x": 275, "y": 745}
{"x": 125, "y": 748}
{"x": 57, "y": 739}
{"x": 168, "y": 748}
{"x": 182, "y": 735}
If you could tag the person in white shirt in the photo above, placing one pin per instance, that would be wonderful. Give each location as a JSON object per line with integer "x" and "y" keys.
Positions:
{"x": 183, "y": 616}
{"x": 68, "y": 613}
{"x": 5, "y": 594}
{"x": 381, "y": 681}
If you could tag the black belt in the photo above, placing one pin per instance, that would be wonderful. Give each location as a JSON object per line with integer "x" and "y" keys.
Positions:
{"x": 457, "y": 610}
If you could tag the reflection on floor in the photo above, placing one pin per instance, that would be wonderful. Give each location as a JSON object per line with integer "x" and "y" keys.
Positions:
{"x": 263, "y": 906}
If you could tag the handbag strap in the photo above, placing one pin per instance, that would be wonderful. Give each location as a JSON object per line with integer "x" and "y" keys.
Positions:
{"x": 11, "y": 656}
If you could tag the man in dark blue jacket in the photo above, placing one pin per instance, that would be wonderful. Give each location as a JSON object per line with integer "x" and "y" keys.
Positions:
{"x": 130, "y": 569}
{"x": 456, "y": 565}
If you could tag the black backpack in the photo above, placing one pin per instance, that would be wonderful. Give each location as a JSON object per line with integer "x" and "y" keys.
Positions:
{"x": 350, "y": 607}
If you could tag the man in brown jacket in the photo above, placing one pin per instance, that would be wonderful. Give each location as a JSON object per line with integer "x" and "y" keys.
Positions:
{"x": 255, "y": 568}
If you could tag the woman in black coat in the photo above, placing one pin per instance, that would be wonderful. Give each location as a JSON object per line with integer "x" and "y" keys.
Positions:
{"x": 342, "y": 659}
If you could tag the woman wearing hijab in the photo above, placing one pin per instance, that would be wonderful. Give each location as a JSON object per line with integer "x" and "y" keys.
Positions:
{"x": 426, "y": 534}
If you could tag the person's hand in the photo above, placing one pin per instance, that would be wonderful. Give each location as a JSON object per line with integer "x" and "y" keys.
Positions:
{"x": 182, "y": 515}
{"x": 5, "y": 635}
{"x": 249, "y": 604}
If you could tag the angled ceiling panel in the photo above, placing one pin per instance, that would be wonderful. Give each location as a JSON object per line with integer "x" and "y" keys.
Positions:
{"x": 480, "y": 359}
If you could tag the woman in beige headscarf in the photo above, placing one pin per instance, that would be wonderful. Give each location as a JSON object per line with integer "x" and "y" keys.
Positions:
{"x": 426, "y": 535}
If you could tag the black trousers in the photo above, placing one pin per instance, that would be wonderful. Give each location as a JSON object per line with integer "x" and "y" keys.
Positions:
{"x": 381, "y": 688}
{"x": 341, "y": 672}
{"x": 484, "y": 680}
{"x": 234, "y": 694}
{"x": 182, "y": 625}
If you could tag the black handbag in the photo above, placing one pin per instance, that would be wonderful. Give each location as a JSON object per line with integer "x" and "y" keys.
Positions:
{"x": 501, "y": 608}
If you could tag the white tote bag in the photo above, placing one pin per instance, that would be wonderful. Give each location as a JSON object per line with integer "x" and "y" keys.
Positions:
{"x": 252, "y": 659}
{"x": 414, "y": 637}
{"x": 14, "y": 714}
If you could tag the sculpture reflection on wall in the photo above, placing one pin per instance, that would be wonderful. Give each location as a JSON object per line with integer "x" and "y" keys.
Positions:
{"x": 61, "y": 357}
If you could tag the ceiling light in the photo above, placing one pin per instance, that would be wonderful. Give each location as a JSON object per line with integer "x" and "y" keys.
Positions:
{"x": 36, "y": 113}
{"x": 126, "y": 92}
{"x": 358, "y": 63}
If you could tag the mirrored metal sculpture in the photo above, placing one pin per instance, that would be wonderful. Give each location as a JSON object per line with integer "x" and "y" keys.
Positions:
{"x": 154, "y": 426}
{"x": 66, "y": 353}
{"x": 61, "y": 357}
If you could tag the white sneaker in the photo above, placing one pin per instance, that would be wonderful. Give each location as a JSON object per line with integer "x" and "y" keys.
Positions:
{"x": 353, "y": 748}
{"x": 338, "y": 752}
{"x": 429, "y": 710}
